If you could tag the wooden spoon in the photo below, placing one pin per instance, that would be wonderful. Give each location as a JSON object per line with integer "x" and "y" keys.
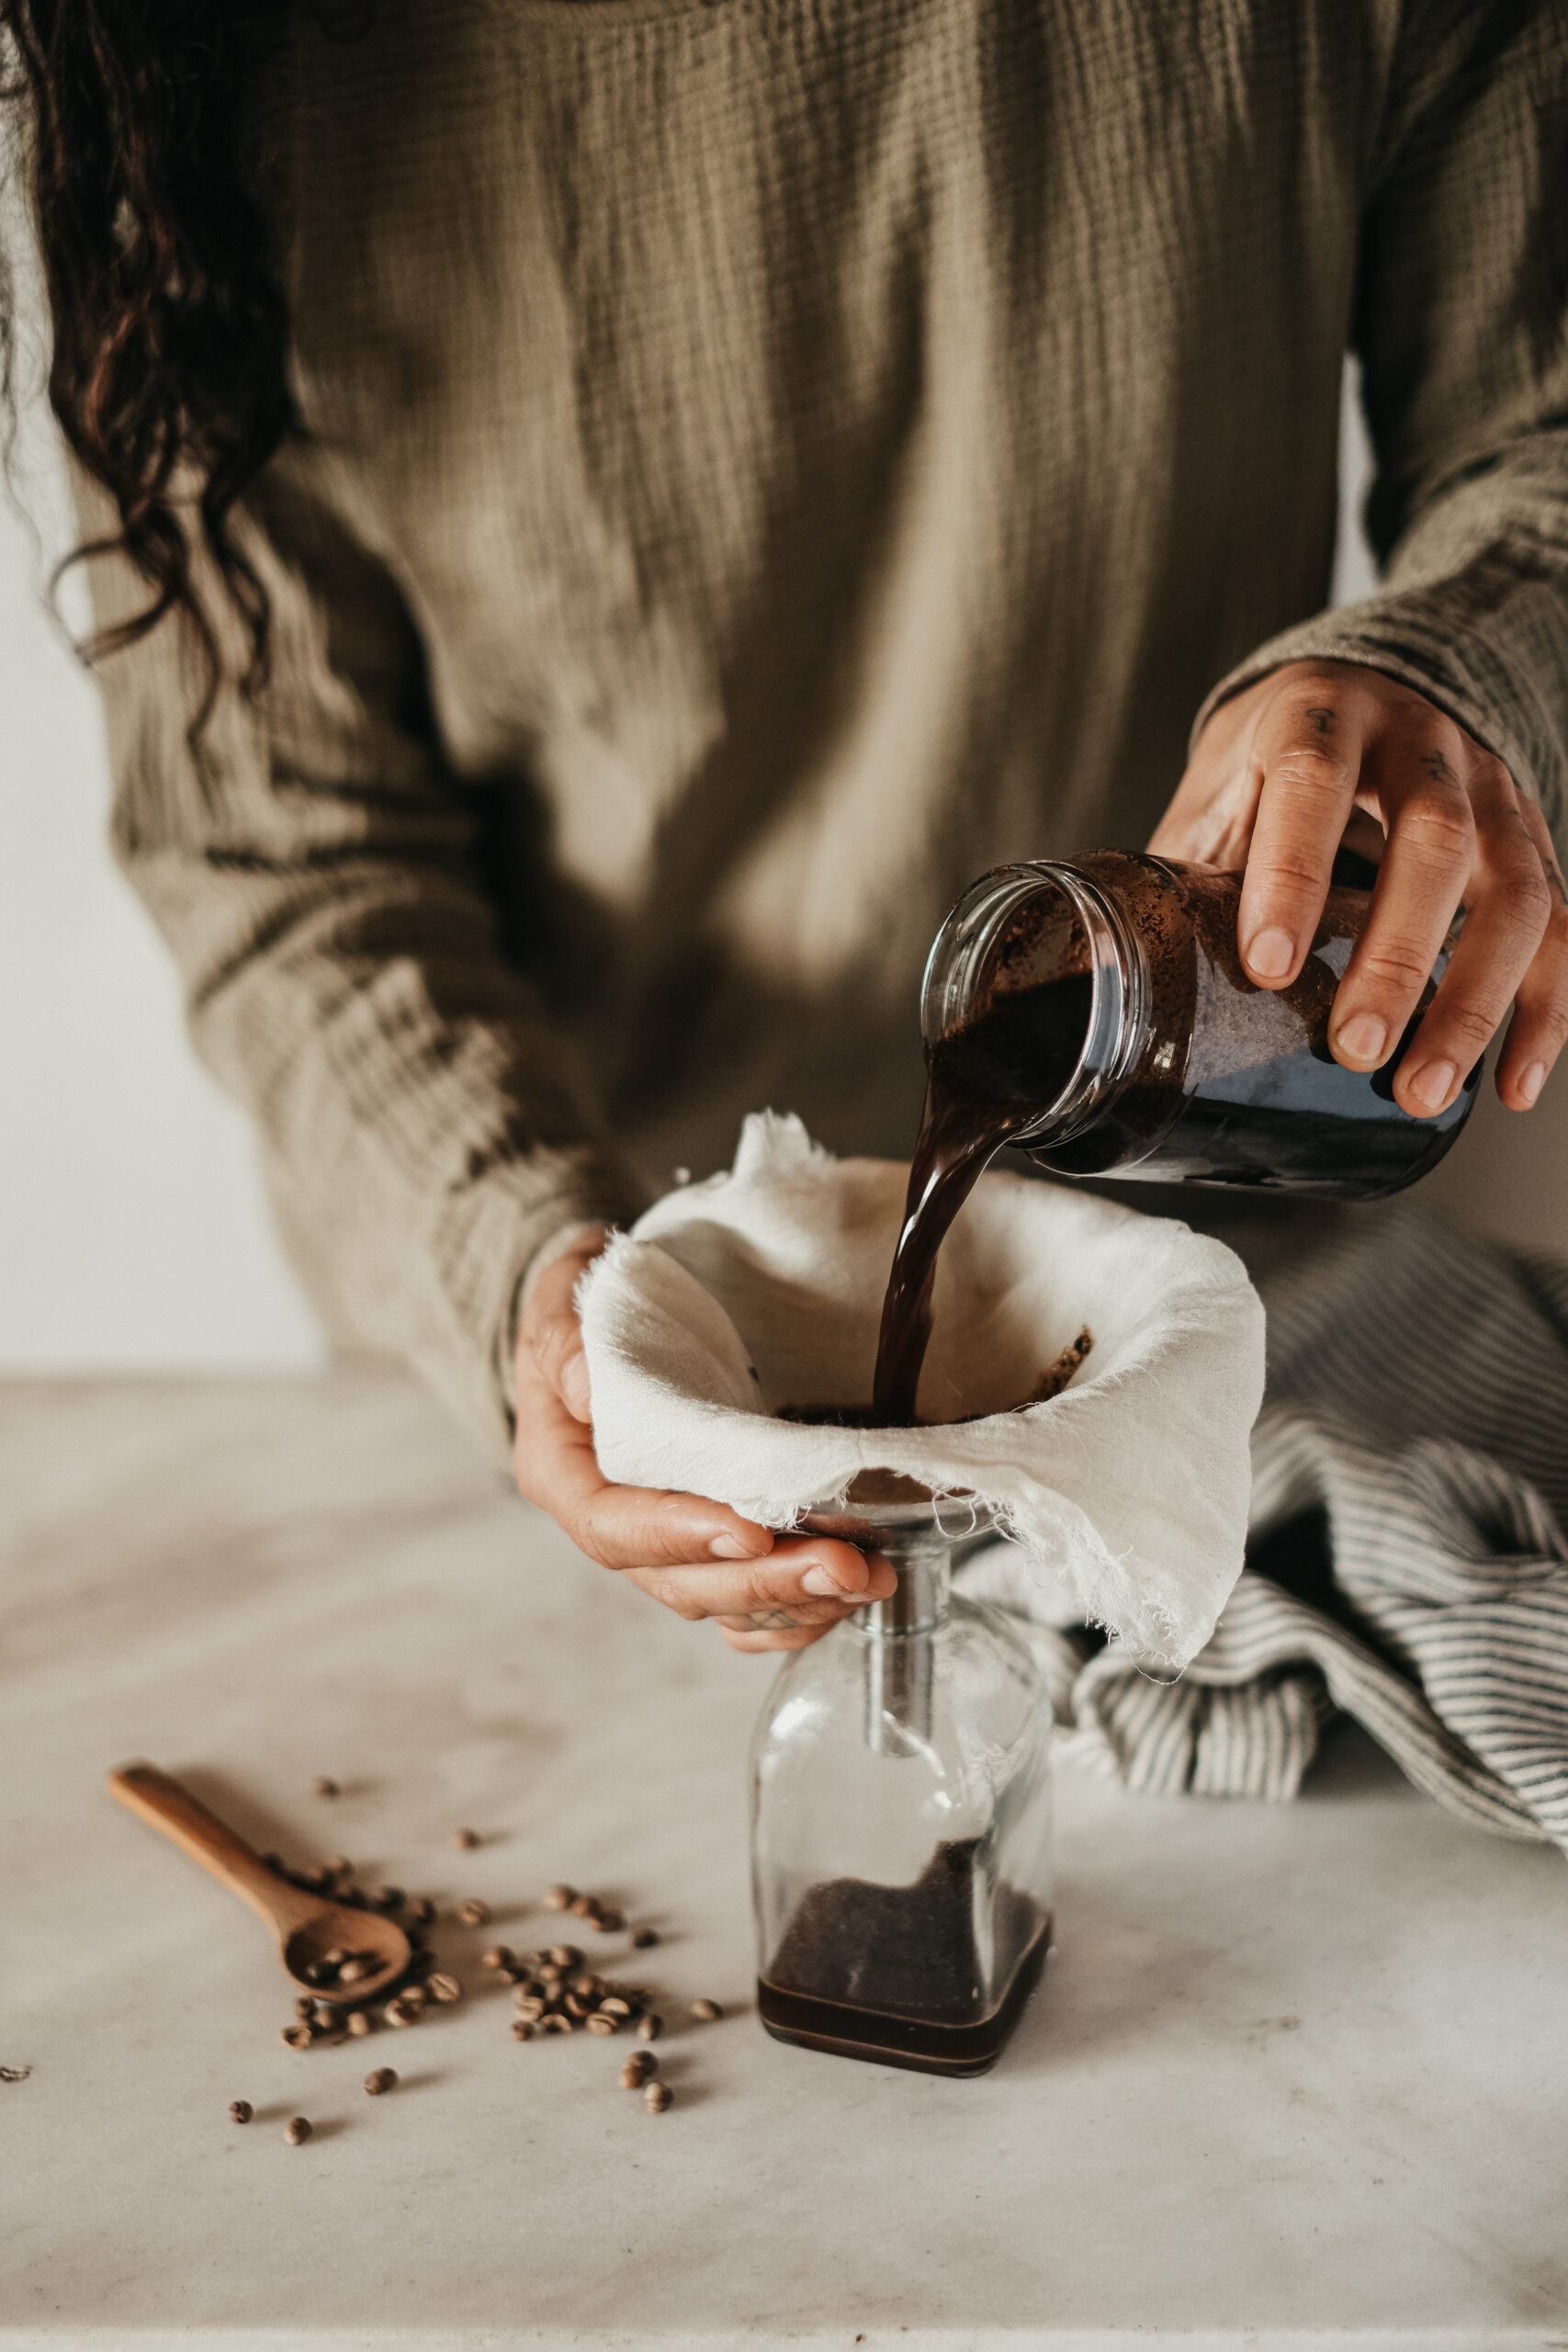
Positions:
{"x": 306, "y": 1927}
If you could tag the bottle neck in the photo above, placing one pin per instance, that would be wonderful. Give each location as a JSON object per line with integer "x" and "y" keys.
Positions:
{"x": 1056, "y": 923}
{"x": 918, "y": 1602}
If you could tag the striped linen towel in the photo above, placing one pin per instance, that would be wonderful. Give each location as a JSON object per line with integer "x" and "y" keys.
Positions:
{"x": 1407, "y": 1561}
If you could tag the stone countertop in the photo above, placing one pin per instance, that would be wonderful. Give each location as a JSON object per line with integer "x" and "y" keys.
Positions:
{"x": 1293, "y": 2072}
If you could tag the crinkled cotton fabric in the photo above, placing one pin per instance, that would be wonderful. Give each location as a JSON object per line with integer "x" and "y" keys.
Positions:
{"x": 762, "y": 1289}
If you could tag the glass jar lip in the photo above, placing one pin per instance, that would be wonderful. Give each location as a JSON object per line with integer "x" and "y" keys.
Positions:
{"x": 968, "y": 937}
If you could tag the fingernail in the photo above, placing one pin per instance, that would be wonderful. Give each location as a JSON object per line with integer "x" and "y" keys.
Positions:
{"x": 820, "y": 1582}
{"x": 729, "y": 1547}
{"x": 1432, "y": 1086}
{"x": 574, "y": 1385}
{"x": 1271, "y": 953}
{"x": 1363, "y": 1038}
{"x": 1531, "y": 1081}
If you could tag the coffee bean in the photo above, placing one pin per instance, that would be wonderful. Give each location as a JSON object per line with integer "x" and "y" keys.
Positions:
{"x": 340, "y": 1865}
{"x": 297, "y": 2131}
{"x": 298, "y": 2037}
{"x": 445, "y": 1988}
{"x": 497, "y": 1957}
{"x": 353, "y": 1971}
{"x": 608, "y": 1923}
{"x": 387, "y": 1898}
{"x": 583, "y": 1906}
{"x": 473, "y": 1913}
{"x": 359, "y": 2023}
{"x": 323, "y": 1786}
{"x": 304, "y": 2006}
{"x": 326, "y": 2017}
{"x": 316, "y": 1972}
{"x": 588, "y": 1986}
{"x": 615, "y": 2005}
{"x": 560, "y": 1898}
{"x": 522, "y": 2030}
{"x": 335, "y": 1958}
{"x": 515, "y": 1975}
{"x": 598, "y": 2023}
{"x": 420, "y": 1910}
{"x": 466, "y": 1840}
{"x": 550, "y": 1974}
{"x": 564, "y": 1956}
{"x": 383, "y": 2079}
{"x": 528, "y": 2004}
{"x": 416, "y": 1996}
{"x": 240, "y": 2111}
{"x": 576, "y": 2006}
{"x": 706, "y": 2011}
{"x": 645, "y": 1938}
{"x": 556, "y": 2023}
{"x": 635, "y": 2070}
{"x": 657, "y": 2097}
{"x": 650, "y": 2027}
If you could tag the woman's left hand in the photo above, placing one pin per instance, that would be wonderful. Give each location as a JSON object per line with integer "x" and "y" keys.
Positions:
{"x": 1323, "y": 752}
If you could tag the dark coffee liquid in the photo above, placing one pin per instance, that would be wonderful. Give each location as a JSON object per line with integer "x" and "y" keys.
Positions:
{"x": 893, "y": 1973}
{"x": 985, "y": 1083}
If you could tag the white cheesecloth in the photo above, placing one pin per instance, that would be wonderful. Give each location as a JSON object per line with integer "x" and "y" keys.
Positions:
{"x": 762, "y": 1288}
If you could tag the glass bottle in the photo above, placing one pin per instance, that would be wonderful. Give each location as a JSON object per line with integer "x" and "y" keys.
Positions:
{"x": 1117, "y": 1011}
{"x": 901, "y": 1812}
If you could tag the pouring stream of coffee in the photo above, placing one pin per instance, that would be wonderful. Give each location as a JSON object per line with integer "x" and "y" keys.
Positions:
{"x": 986, "y": 1081}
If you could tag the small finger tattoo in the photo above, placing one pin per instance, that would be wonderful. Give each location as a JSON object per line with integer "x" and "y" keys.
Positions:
{"x": 1435, "y": 765}
{"x": 1322, "y": 718}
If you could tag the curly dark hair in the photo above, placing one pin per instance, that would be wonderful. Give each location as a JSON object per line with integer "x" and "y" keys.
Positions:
{"x": 169, "y": 372}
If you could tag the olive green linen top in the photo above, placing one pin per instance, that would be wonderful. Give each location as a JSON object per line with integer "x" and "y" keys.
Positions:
{"x": 767, "y": 461}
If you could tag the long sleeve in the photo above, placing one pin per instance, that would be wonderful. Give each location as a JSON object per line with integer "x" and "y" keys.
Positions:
{"x": 1461, "y": 325}
{"x": 315, "y": 869}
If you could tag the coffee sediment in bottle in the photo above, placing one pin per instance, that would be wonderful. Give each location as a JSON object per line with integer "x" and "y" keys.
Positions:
{"x": 893, "y": 1973}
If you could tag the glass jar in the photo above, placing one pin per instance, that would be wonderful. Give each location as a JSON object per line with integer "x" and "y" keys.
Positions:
{"x": 1111, "y": 996}
{"x": 901, "y": 1813}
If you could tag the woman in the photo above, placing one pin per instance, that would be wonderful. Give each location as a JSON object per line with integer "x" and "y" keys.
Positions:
{"x": 609, "y": 513}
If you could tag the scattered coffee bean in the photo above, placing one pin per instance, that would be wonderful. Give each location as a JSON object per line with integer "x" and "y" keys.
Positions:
{"x": 615, "y": 2005}
{"x": 515, "y": 1973}
{"x": 240, "y": 2111}
{"x": 706, "y": 2011}
{"x": 444, "y": 1989}
{"x": 650, "y": 2027}
{"x": 420, "y": 1910}
{"x": 387, "y": 1898}
{"x": 555, "y": 2023}
{"x": 326, "y": 2017}
{"x": 564, "y": 1956}
{"x": 401, "y": 2012}
{"x": 298, "y": 2037}
{"x": 353, "y": 1971}
{"x": 473, "y": 1913}
{"x": 576, "y": 2006}
{"x": 522, "y": 2030}
{"x": 497, "y": 1957}
{"x": 466, "y": 1840}
{"x": 324, "y": 1786}
{"x": 560, "y": 1898}
{"x": 297, "y": 2131}
{"x": 636, "y": 2071}
{"x": 304, "y": 2006}
{"x": 383, "y": 2079}
{"x": 657, "y": 2097}
{"x": 416, "y": 1996}
{"x": 645, "y": 1938}
{"x": 340, "y": 1865}
{"x": 583, "y": 1906}
{"x": 359, "y": 2023}
{"x": 551, "y": 1976}
{"x": 528, "y": 2004}
{"x": 599, "y": 2023}
{"x": 608, "y": 1923}
{"x": 588, "y": 1986}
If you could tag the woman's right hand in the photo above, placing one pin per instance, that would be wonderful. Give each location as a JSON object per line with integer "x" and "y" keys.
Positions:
{"x": 699, "y": 1559}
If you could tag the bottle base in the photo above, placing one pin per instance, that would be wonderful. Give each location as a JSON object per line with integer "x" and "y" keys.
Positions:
{"x": 883, "y": 2040}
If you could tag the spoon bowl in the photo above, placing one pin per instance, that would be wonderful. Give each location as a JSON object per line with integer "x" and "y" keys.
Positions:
{"x": 307, "y": 1927}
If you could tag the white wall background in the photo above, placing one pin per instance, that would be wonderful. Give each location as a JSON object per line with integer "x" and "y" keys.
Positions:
{"x": 132, "y": 1227}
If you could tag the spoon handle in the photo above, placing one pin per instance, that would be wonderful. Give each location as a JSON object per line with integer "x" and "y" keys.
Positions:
{"x": 161, "y": 1800}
